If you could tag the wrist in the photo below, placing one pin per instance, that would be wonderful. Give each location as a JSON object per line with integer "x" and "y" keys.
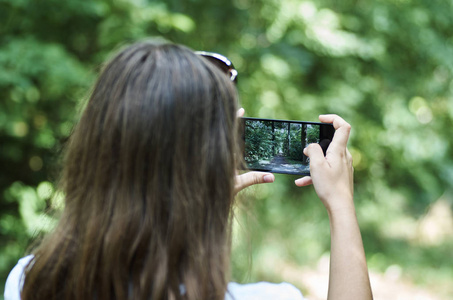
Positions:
{"x": 340, "y": 207}
{"x": 338, "y": 202}
{"x": 343, "y": 219}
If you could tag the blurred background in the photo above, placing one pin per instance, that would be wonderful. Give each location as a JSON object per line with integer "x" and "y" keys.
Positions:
{"x": 385, "y": 66}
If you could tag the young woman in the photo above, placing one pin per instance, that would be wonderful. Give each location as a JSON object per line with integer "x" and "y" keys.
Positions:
{"x": 150, "y": 180}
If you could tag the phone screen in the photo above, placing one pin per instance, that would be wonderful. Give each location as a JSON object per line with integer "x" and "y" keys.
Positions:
{"x": 277, "y": 145}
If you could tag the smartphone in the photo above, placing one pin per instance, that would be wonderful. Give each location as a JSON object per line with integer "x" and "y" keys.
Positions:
{"x": 277, "y": 145}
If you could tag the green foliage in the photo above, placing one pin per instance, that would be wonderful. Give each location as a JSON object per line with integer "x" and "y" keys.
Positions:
{"x": 295, "y": 146}
{"x": 385, "y": 66}
{"x": 259, "y": 142}
{"x": 312, "y": 134}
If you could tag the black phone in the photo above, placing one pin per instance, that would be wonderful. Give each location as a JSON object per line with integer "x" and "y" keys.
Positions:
{"x": 277, "y": 145}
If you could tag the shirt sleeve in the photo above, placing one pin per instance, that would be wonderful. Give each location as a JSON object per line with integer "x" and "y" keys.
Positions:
{"x": 15, "y": 279}
{"x": 263, "y": 291}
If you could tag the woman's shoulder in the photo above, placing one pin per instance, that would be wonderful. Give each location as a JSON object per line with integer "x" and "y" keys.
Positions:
{"x": 236, "y": 291}
{"x": 263, "y": 291}
{"x": 15, "y": 279}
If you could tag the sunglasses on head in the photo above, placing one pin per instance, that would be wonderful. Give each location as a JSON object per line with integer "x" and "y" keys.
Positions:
{"x": 221, "y": 62}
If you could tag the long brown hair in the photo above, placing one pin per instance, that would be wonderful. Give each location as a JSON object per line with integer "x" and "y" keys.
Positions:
{"x": 148, "y": 182}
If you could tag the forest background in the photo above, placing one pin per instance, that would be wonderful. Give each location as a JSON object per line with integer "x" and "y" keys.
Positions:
{"x": 385, "y": 66}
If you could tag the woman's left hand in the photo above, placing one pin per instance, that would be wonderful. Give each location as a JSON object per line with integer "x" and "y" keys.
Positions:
{"x": 250, "y": 178}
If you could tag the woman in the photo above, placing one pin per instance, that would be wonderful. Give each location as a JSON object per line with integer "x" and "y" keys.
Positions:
{"x": 150, "y": 180}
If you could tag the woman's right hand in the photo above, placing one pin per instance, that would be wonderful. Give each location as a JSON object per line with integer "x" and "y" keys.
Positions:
{"x": 332, "y": 175}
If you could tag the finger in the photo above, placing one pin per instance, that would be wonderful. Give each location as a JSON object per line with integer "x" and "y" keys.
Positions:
{"x": 240, "y": 112}
{"x": 333, "y": 119}
{"x": 251, "y": 178}
{"x": 304, "y": 181}
{"x": 342, "y": 131}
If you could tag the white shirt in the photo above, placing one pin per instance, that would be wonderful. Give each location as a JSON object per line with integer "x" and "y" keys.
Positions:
{"x": 236, "y": 291}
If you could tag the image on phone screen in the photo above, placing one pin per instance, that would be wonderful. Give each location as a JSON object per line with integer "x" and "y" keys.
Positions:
{"x": 277, "y": 145}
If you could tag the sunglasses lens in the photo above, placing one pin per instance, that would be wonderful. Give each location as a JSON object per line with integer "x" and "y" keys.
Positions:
{"x": 222, "y": 63}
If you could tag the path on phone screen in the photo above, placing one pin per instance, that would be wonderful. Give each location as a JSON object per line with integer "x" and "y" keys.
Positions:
{"x": 280, "y": 164}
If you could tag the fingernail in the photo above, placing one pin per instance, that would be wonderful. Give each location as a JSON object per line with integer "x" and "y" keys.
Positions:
{"x": 268, "y": 178}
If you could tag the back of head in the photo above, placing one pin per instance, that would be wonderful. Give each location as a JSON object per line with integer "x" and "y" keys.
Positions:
{"x": 148, "y": 180}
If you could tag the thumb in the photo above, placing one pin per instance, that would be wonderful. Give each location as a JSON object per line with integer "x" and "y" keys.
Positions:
{"x": 251, "y": 178}
{"x": 316, "y": 155}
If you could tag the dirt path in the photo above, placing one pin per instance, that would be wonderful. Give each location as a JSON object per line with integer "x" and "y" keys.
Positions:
{"x": 280, "y": 164}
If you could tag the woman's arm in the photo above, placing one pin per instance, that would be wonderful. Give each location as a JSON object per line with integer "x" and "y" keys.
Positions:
{"x": 332, "y": 177}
